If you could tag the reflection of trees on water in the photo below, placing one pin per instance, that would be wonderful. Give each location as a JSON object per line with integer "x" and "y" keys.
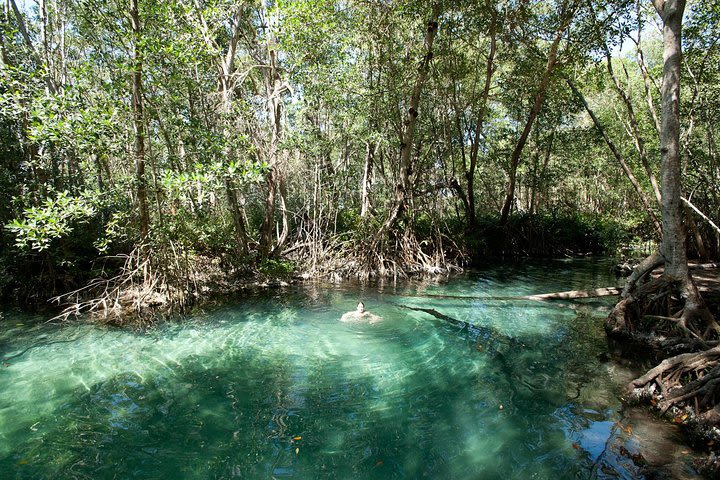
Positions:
{"x": 415, "y": 396}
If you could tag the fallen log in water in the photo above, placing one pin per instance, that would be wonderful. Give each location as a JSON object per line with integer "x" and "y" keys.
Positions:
{"x": 569, "y": 295}
{"x": 438, "y": 315}
{"x": 573, "y": 294}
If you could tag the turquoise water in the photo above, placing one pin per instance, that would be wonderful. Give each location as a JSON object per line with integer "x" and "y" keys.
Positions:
{"x": 274, "y": 386}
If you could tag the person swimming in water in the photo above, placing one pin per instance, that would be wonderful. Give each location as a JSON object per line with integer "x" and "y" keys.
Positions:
{"x": 360, "y": 314}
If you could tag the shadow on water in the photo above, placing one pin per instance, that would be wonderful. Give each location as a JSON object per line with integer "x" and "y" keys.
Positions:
{"x": 275, "y": 387}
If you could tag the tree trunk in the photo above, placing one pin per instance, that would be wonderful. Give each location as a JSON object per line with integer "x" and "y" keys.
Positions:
{"x": 46, "y": 59}
{"x": 647, "y": 79}
{"x": 266, "y": 229}
{"x": 225, "y": 65}
{"x": 634, "y": 127}
{"x": 274, "y": 87}
{"x": 673, "y": 242}
{"x": 692, "y": 225}
{"x": 367, "y": 178}
{"x": 534, "y": 111}
{"x": 489, "y": 71}
{"x": 50, "y": 85}
{"x": 237, "y": 218}
{"x": 403, "y": 186}
{"x": 4, "y": 58}
{"x": 138, "y": 122}
{"x": 618, "y": 157}
{"x": 693, "y": 318}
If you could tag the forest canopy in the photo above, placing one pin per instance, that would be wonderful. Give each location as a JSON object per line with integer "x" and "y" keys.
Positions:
{"x": 194, "y": 138}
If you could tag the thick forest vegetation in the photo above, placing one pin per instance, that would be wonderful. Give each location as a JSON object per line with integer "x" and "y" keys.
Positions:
{"x": 185, "y": 140}
{"x": 153, "y": 152}
{"x": 159, "y": 149}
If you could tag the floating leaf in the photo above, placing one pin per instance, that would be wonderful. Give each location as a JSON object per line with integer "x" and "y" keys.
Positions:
{"x": 297, "y": 451}
{"x": 681, "y": 418}
{"x": 297, "y": 438}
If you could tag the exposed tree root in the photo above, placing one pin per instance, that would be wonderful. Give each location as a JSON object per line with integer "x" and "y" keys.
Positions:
{"x": 365, "y": 256}
{"x": 149, "y": 282}
{"x": 670, "y": 315}
{"x": 404, "y": 256}
{"x": 662, "y": 306}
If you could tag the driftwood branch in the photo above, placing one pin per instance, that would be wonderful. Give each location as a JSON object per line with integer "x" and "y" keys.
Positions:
{"x": 573, "y": 294}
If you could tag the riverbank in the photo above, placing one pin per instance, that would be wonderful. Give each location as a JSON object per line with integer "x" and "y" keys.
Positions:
{"x": 679, "y": 371}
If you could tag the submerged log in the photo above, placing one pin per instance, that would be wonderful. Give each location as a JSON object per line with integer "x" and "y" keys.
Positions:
{"x": 480, "y": 334}
{"x": 439, "y": 315}
{"x": 490, "y": 341}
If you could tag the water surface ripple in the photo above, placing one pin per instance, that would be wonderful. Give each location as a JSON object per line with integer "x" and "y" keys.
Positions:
{"x": 274, "y": 386}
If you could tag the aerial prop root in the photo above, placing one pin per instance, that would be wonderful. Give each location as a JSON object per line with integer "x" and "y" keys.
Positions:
{"x": 669, "y": 312}
{"x": 700, "y": 371}
{"x": 148, "y": 278}
{"x": 404, "y": 255}
{"x": 662, "y": 301}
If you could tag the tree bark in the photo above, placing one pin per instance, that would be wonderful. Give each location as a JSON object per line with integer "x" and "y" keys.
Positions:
{"x": 403, "y": 186}
{"x": 673, "y": 243}
{"x": 618, "y": 157}
{"x": 138, "y": 122}
{"x": 534, "y": 111}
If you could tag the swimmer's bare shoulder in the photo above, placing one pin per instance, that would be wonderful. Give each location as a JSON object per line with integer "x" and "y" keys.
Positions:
{"x": 349, "y": 317}
{"x": 360, "y": 314}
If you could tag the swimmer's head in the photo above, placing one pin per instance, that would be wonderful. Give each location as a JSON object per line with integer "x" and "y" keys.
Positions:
{"x": 360, "y": 307}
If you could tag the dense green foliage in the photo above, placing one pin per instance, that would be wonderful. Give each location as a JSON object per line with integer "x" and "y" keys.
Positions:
{"x": 253, "y": 131}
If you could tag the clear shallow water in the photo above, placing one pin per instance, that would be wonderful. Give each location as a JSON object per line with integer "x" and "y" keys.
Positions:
{"x": 275, "y": 386}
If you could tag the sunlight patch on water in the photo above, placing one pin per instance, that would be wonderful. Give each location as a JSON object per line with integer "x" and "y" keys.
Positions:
{"x": 276, "y": 386}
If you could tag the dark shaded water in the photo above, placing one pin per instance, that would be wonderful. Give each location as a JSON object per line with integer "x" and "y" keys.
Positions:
{"x": 274, "y": 386}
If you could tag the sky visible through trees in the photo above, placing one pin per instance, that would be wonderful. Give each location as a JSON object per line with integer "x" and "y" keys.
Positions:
{"x": 352, "y": 137}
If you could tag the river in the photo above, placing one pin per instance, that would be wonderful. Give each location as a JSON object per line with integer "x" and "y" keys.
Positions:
{"x": 272, "y": 385}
